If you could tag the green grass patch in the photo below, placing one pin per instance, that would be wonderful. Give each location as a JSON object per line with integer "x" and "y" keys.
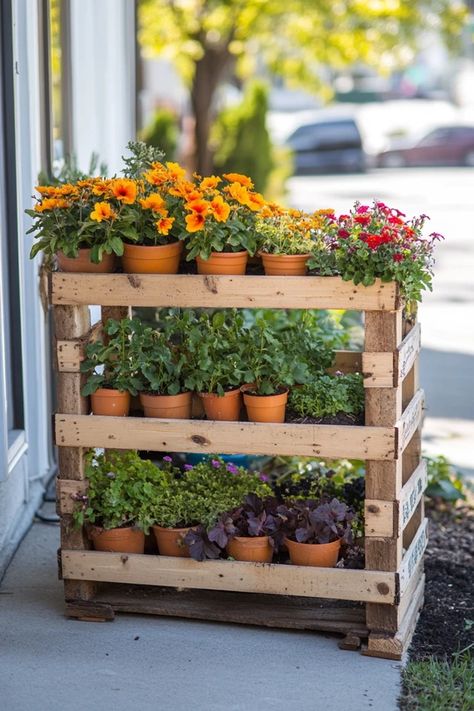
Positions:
{"x": 434, "y": 685}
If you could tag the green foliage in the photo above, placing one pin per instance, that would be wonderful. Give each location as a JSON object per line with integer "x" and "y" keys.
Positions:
{"x": 241, "y": 137}
{"x": 140, "y": 158}
{"x": 162, "y": 132}
{"x": 121, "y": 485}
{"x": 109, "y": 363}
{"x": 444, "y": 482}
{"x": 434, "y": 685}
{"x": 328, "y": 395}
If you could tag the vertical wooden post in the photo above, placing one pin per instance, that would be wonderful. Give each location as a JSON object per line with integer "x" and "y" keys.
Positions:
{"x": 383, "y": 407}
{"x": 70, "y": 323}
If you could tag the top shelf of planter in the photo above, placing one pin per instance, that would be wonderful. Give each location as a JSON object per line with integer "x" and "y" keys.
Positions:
{"x": 198, "y": 291}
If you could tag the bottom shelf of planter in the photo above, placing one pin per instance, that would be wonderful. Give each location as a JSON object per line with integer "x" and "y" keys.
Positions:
{"x": 270, "y": 595}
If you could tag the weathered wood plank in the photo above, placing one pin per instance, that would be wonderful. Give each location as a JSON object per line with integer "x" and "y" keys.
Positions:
{"x": 70, "y": 354}
{"x": 411, "y": 494}
{"x": 225, "y": 437}
{"x": 347, "y": 362}
{"x": 381, "y": 518}
{"x": 413, "y": 556}
{"x": 66, "y": 490}
{"x": 378, "y": 370}
{"x": 410, "y": 420}
{"x": 335, "y": 583}
{"x": 226, "y": 291}
{"x": 388, "y": 618}
{"x": 407, "y": 352}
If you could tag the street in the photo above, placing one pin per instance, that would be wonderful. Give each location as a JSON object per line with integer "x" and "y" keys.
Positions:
{"x": 446, "y": 314}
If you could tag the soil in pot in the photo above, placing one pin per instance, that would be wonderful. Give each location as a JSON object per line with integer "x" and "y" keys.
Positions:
{"x": 82, "y": 263}
{"x": 265, "y": 408}
{"x": 321, "y": 555}
{"x": 285, "y": 264}
{"x": 162, "y": 259}
{"x": 109, "y": 402}
{"x": 169, "y": 541}
{"x": 118, "y": 540}
{"x": 223, "y": 263}
{"x": 253, "y": 549}
{"x": 222, "y": 407}
{"x": 173, "y": 407}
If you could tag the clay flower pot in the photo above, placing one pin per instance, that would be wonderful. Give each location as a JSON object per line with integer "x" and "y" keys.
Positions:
{"x": 223, "y": 263}
{"x": 118, "y": 540}
{"x": 114, "y": 403}
{"x": 264, "y": 408}
{"x": 163, "y": 259}
{"x": 285, "y": 264}
{"x": 321, "y": 555}
{"x": 82, "y": 263}
{"x": 169, "y": 540}
{"x": 173, "y": 407}
{"x": 253, "y": 549}
{"x": 222, "y": 407}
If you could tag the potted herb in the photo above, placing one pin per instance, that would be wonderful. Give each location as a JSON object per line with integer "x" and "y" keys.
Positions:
{"x": 220, "y": 223}
{"x": 160, "y": 363}
{"x": 314, "y": 531}
{"x": 285, "y": 241}
{"x": 247, "y": 531}
{"x": 112, "y": 378}
{"x": 112, "y": 509}
{"x": 214, "y": 363}
{"x": 269, "y": 370}
{"x": 329, "y": 399}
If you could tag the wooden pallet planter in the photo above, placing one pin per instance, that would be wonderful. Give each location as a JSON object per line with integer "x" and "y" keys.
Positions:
{"x": 380, "y": 604}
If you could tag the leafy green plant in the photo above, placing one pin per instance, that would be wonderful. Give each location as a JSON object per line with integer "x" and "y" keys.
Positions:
{"x": 108, "y": 363}
{"x": 159, "y": 358}
{"x": 140, "y": 158}
{"x": 329, "y": 395}
{"x": 121, "y": 484}
{"x": 285, "y": 233}
{"x": 317, "y": 522}
{"x": 444, "y": 482}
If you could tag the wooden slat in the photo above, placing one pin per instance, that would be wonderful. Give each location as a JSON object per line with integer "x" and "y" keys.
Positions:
{"x": 225, "y": 437}
{"x": 411, "y": 494}
{"x": 413, "y": 556}
{"x": 338, "y": 584}
{"x": 346, "y": 362}
{"x": 378, "y": 370}
{"x": 66, "y": 489}
{"x": 212, "y": 291}
{"x": 410, "y": 420}
{"x": 380, "y": 518}
{"x": 388, "y": 618}
{"x": 407, "y": 352}
{"x": 70, "y": 354}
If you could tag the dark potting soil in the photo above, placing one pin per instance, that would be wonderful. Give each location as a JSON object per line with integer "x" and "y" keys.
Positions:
{"x": 342, "y": 418}
{"x": 443, "y": 627}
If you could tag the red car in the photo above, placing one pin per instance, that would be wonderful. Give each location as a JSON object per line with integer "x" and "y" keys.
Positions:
{"x": 447, "y": 145}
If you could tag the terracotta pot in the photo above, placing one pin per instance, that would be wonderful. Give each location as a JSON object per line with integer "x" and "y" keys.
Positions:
{"x": 82, "y": 263}
{"x": 173, "y": 407}
{"x": 118, "y": 540}
{"x": 253, "y": 549}
{"x": 321, "y": 555}
{"x": 163, "y": 259}
{"x": 168, "y": 541}
{"x": 223, "y": 263}
{"x": 285, "y": 264}
{"x": 222, "y": 407}
{"x": 265, "y": 408}
{"x": 106, "y": 401}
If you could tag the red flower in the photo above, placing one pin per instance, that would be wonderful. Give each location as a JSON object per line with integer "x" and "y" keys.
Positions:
{"x": 344, "y": 234}
{"x": 362, "y": 208}
{"x": 395, "y": 221}
{"x": 397, "y": 257}
{"x": 362, "y": 219}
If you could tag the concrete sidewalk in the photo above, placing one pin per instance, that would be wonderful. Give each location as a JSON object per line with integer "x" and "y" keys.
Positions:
{"x": 49, "y": 663}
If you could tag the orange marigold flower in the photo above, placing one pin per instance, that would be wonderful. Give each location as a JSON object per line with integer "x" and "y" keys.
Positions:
{"x": 200, "y": 207}
{"x": 238, "y": 178}
{"x": 46, "y": 190}
{"x": 164, "y": 225}
{"x": 102, "y": 211}
{"x": 210, "y": 183}
{"x": 124, "y": 190}
{"x": 156, "y": 176}
{"x": 255, "y": 202}
{"x": 220, "y": 209}
{"x": 153, "y": 202}
{"x": 175, "y": 171}
{"x": 183, "y": 188}
{"x": 51, "y": 203}
{"x": 195, "y": 222}
{"x": 238, "y": 192}
{"x": 101, "y": 188}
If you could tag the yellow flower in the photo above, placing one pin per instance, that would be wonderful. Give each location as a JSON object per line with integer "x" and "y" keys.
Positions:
{"x": 200, "y": 207}
{"x": 101, "y": 187}
{"x": 210, "y": 183}
{"x": 124, "y": 190}
{"x": 164, "y": 225}
{"x": 156, "y": 176}
{"x": 255, "y": 202}
{"x": 219, "y": 209}
{"x": 238, "y": 192}
{"x": 183, "y": 188}
{"x": 102, "y": 211}
{"x": 195, "y": 222}
{"x": 175, "y": 171}
{"x": 238, "y": 178}
{"x": 153, "y": 202}
{"x": 51, "y": 204}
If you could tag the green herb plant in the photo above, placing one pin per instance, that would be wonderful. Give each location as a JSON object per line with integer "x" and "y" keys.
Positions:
{"x": 329, "y": 395}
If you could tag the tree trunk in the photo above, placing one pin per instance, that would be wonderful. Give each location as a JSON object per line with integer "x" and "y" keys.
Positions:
{"x": 208, "y": 73}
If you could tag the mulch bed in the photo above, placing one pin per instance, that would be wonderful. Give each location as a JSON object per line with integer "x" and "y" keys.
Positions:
{"x": 443, "y": 629}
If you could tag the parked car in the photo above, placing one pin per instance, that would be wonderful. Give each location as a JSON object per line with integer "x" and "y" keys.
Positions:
{"x": 328, "y": 145}
{"x": 447, "y": 145}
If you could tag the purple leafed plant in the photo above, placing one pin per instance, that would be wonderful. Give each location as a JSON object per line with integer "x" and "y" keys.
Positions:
{"x": 311, "y": 521}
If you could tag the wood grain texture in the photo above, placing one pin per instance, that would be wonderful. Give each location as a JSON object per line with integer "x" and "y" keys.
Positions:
{"x": 66, "y": 490}
{"x": 226, "y": 437}
{"x": 381, "y": 518}
{"x": 412, "y": 493}
{"x": 221, "y": 291}
{"x": 407, "y": 352}
{"x": 413, "y": 556}
{"x": 411, "y": 420}
{"x": 378, "y": 370}
{"x": 333, "y": 583}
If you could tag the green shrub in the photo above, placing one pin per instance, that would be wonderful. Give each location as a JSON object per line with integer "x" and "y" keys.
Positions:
{"x": 240, "y": 137}
{"x": 163, "y": 132}
{"x": 329, "y": 395}
{"x": 444, "y": 482}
